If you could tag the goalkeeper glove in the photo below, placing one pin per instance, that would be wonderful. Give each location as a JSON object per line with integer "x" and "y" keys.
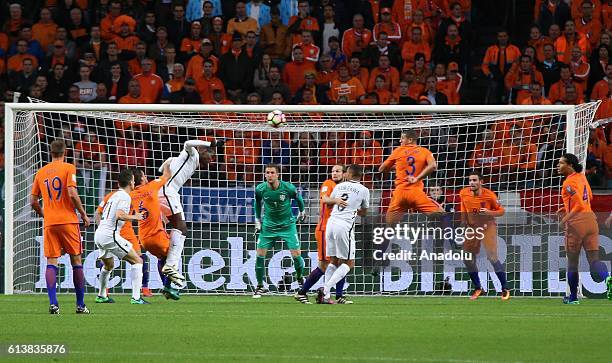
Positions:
{"x": 257, "y": 226}
{"x": 301, "y": 216}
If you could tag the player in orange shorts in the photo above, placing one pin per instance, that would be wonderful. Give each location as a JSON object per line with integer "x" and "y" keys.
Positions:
{"x": 56, "y": 184}
{"x": 128, "y": 233}
{"x": 337, "y": 175}
{"x": 151, "y": 231}
{"x": 479, "y": 208}
{"x": 580, "y": 226}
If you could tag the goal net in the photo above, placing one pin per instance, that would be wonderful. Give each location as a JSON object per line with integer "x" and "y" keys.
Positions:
{"x": 515, "y": 148}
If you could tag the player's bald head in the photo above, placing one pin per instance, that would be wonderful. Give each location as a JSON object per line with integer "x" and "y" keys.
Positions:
{"x": 58, "y": 148}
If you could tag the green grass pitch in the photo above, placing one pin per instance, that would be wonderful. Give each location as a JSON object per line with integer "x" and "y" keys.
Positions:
{"x": 278, "y": 329}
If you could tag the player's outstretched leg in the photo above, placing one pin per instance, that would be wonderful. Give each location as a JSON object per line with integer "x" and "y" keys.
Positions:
{"x": 105, "y": 272}
{"x": 338, "y": 275}
{"x": 51, "y": 279}
{"x": 146, "y": 292}
{"x": 167, "y": 290}
{"x": 599, "y": 271}
{"x": 170, "y": 269}
{"x": 311, "y": 280}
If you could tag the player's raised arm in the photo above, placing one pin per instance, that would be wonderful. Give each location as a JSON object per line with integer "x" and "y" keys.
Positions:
{"x": 191, "y": 145}
{"x": 387, "y": 165}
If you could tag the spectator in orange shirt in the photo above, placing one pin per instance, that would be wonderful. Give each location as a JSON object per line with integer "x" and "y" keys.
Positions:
{"x": 190, "y": 45}
{"x": 326, "y": 74}
{"x": 106, "y": 24}
{"x": 535, "y": 96}
{"x": 134, "y": 95}
{"x": 486, "y": 156}
{"x": 222, "y": 42}
{"x": 151, "y": 84}
{"x": 242, "y": 23}
{"x": 403, "y": 11}
{"x": 334, "y": 151}
{"x": 346, "y": 86}
{"x": 497, "y": 62}
{"x": 384, "y": 96}
{"x": 588, "y": 23}
{"x": 294, "y": 71}
{"x": 206, "y": 83}
{"x": 309, "y": 49}
{"x": 518, "y": 81}
{"x": 384, "y": 68}
{"x": 241, "y": 155}
{"x": 126, "y": 41}
{"x": 15, "y": 63}
{"x": 302, "y": 21}
{"x": 600, "y": 90}
{"x": 557, "y": 90}
{"x": 393, "y": 29}
{"x": 359, "y": 72}
{"x": 418, "y": 21}
{"x": 537, "y": 41}
{"x": 44, "y": 31}
{"x": 194, "y": 67}
{"x": 570, "y": 38}
{"x": 178, "y": 78}
{"x": 412, "y": 47}
{"x": 357, "y": 38}
{"x": 519, "y": 156}
{"x": 572, "y": 97}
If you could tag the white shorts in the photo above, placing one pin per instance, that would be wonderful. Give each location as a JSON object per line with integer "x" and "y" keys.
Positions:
{"x": 112, "y": 245}
{"x": 340, "y": 241}
{"x": 170, "y": 203}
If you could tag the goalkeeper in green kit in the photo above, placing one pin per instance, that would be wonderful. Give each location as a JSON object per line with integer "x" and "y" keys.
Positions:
{"x": 278, "y": 223}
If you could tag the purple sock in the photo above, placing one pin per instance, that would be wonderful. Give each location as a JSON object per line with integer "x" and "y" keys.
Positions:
{"x": 340, "y": 288}
{"x": 145, "y": 270}
{"x": 78, "y": 277}
{"x": 51, "y": 277}
{"x": 164, "y": 279}
{"x": 599, "y": 271}
{"x": 572, "y": 281}
{"x": 501, "y": 274}
{"x": 475, "y": 279}
{"x": 312, "y": 279}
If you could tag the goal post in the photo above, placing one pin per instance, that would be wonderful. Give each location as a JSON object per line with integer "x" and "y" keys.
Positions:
{"x": 218, "y": 203}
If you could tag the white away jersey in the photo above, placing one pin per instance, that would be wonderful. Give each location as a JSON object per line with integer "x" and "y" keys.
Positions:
{"x": 356, "y": 195}
{"x": 182, "y": 168}
{"x": 109, "y": 222}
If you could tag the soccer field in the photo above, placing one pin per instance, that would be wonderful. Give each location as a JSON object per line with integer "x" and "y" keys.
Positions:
{"x": 278, "y": 329}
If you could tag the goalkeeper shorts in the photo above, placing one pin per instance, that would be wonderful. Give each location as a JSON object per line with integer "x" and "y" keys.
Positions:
{"x": 62, "y": 238}
{"x": 289, "y": 235}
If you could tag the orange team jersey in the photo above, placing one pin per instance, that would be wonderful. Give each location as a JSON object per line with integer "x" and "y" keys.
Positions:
{"x": 471, "y": 205}
{"x": 581, "y": 230}
{"x": 146, "y": 201}
{"x": 127, "y": 231}
{"x": 409, "y": 160}
{"x": 52, "y": 182}
{"x": 326, "y": 189}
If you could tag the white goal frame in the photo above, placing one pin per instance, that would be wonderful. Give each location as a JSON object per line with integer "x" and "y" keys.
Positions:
{"x": 12, "y": 108}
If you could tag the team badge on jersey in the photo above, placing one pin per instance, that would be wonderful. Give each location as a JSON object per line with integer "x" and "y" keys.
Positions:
{"x": 282, "y": 197}
{"x": 569, "y": 190}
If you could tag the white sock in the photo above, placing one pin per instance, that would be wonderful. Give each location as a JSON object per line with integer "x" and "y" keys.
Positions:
{"x": 136, "y": 275}
{"x": 104, "y": 278}
{"x": 337, "y": 276}
{"x": 177, "y": 241}
{"x": 329, "y": 272}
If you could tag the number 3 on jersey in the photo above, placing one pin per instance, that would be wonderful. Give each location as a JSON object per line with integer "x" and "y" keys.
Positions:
{"x": 410, "y": 168}
{"x": 143, "y": 210}
{"x": 344, "y": 197}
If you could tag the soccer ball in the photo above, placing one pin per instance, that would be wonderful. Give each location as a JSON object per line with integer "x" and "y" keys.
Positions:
{"x": 276, "y": 118}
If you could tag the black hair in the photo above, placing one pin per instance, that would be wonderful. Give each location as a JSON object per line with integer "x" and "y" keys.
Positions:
{"x": 125, "y": 177}
{"x": 275, "y": 166}
{"x": 355, "y": 170}
{"x": 573, "y": 161}
{"x": 138, "y": 176}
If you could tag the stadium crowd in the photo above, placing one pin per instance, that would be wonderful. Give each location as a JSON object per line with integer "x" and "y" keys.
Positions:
{"x": 314, "y": 52}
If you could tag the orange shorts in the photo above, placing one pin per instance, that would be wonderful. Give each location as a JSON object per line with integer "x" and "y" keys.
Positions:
{"x": 135, "y": 244}
{"x": 157, "y": 244}
{"x": 321, "y": 244}
{"x": 415, "y": 199}
{"x": 489, "y": 240}
{"x": 62, "y": 238}
{"x": 582, "y": 233}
